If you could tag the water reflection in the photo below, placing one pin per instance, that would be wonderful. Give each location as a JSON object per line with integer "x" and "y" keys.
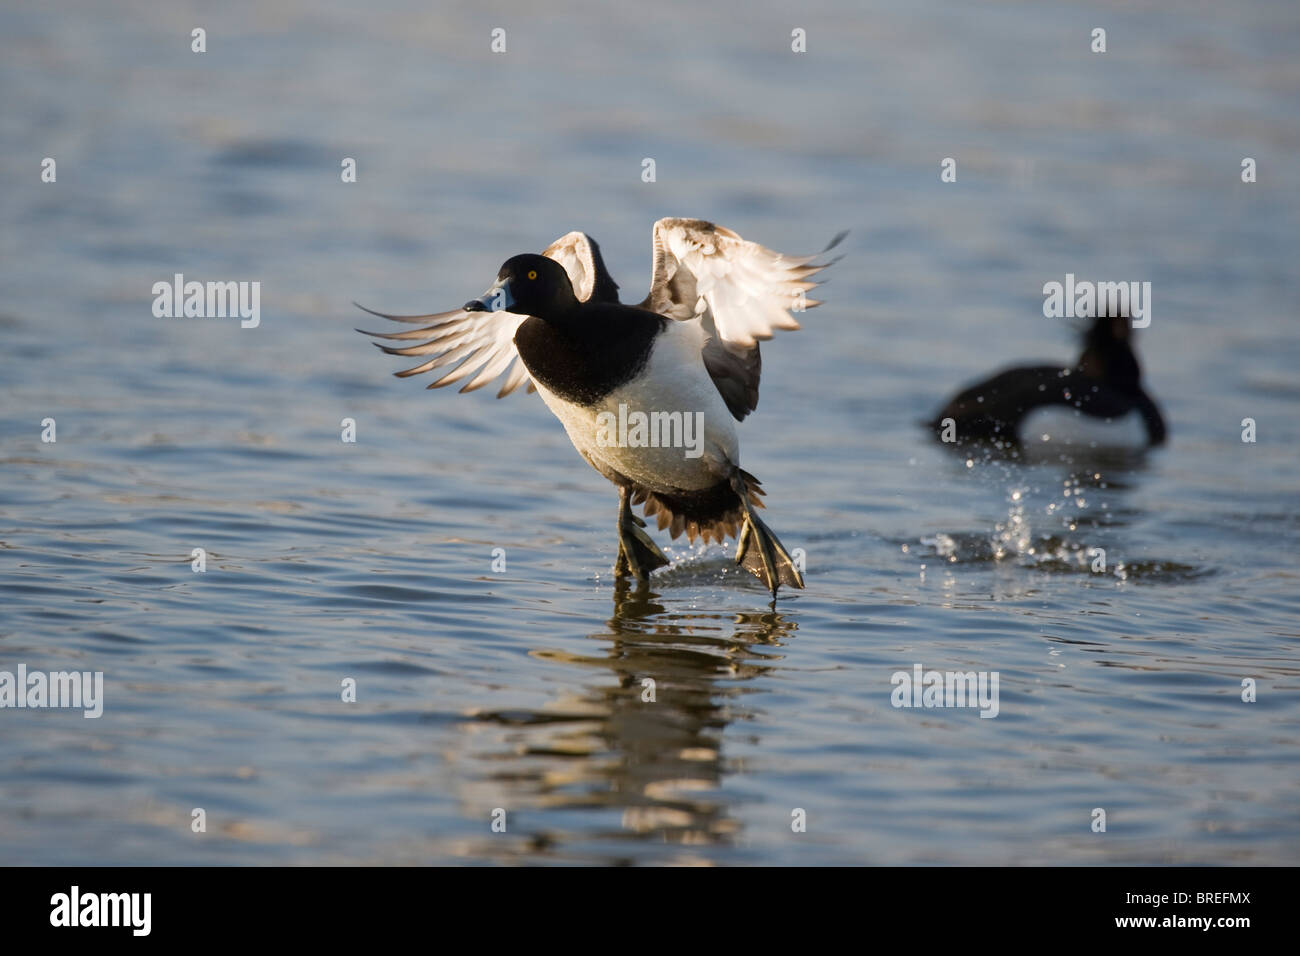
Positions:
{"x": 647, "y": 746}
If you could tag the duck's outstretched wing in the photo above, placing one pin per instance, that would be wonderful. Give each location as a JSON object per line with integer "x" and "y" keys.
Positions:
{"x": 460, "y": 344}
{"x": 480, "y": 346}
{"x": 739, "y": 290}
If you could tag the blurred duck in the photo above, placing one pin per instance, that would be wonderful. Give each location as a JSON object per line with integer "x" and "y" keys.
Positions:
{"x": 1099, "y": 401}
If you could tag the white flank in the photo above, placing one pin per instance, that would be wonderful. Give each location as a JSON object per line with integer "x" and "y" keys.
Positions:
{"x": 674, "y": 380}
{"x": 1065, "y": 426}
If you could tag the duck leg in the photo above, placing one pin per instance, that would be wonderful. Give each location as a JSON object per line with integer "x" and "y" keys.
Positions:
{"x": 759, "y": 550}
{"x": 637, "y": 551}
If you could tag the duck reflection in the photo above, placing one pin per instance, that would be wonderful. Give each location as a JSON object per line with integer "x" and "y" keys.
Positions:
{"x": 647, "y": 746}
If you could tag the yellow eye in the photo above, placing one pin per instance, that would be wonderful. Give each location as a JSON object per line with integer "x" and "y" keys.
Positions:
{"x": 532, "y": 273}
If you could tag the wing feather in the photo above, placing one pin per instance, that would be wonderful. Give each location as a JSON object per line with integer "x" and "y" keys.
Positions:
{"x": 739, "y": 291}
{"x": 581, "y": 258}
{"x": 748, "y": 289}
{"x": 482, "y": 344}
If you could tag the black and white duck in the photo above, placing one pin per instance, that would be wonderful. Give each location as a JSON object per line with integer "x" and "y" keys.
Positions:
{"x": 685, "y": 360}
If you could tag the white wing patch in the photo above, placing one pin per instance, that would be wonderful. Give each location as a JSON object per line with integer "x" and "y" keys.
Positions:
{"x": 573, "y": 251}
{"x": 703, "y": 270}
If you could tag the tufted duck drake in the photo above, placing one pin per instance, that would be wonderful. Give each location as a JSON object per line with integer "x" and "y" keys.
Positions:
{"x": 646, "y": 393}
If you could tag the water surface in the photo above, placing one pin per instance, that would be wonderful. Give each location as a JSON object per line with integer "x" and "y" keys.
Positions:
{"x": 523, "y": 690}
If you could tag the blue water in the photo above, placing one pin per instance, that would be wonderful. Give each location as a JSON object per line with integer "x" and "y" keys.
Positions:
{"x": 522, "y": 691}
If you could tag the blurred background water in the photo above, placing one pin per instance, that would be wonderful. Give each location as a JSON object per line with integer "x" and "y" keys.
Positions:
{"x": 523, "y": 690}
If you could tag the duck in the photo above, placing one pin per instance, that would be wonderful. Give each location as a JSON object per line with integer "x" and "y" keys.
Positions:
{"x": 648, "y": 394}
{"x": 1104, "y": 387}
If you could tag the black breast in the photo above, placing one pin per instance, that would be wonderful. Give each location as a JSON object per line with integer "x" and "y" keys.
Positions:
{"x": 584, "y": 356}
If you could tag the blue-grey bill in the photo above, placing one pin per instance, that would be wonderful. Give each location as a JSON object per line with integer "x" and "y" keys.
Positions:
{"x": 494, "y": 299}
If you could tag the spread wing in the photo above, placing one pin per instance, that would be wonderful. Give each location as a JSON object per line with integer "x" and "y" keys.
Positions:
{"x": 480, "y": 346}
{"x": 739, "y": 290}
{"x": 460, "y": 344}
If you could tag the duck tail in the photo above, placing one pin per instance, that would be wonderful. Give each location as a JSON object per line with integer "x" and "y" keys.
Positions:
{"x": 759, "y": 550}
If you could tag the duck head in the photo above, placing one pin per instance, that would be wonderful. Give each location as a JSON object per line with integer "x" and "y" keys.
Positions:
{"x": 1108, "y": 353}
{"x": 528, "y": 284}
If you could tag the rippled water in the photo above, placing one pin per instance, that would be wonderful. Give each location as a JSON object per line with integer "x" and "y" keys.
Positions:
{"x": 523, "y": 690}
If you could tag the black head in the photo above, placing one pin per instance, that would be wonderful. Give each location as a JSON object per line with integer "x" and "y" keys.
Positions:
{"x": 1108, "y": 352}
{"x": 528, "y": 284}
